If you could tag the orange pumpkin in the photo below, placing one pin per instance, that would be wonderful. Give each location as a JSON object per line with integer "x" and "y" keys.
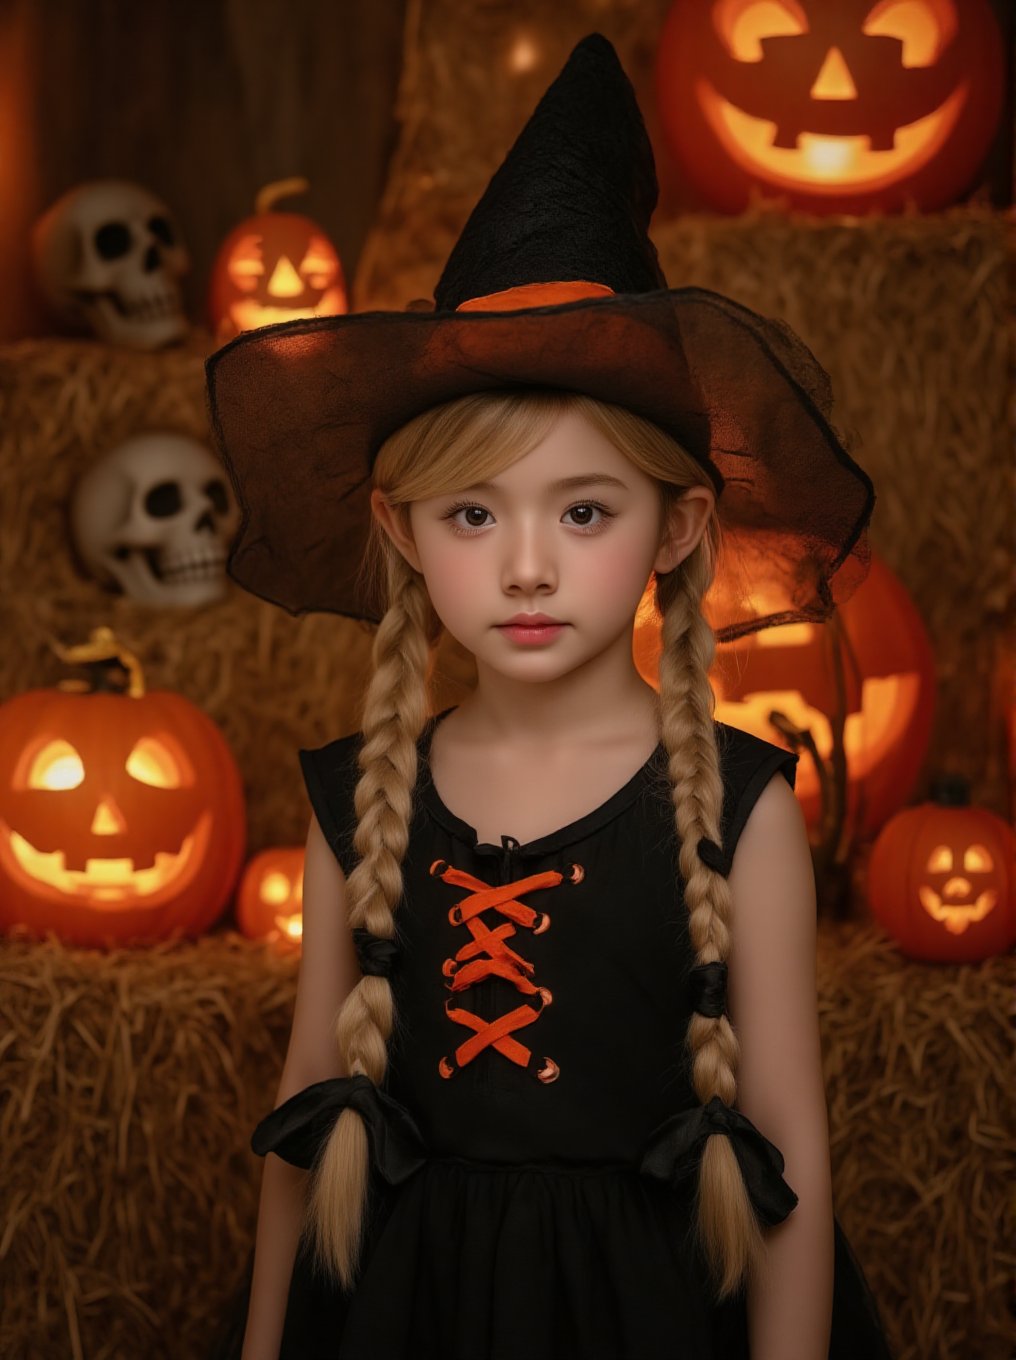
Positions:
{"x": 121, "y": 812}
{"x": 269, "y": 902}
{"x": 940, "y": 878}
{"x": 275, "y": 266}
{"x": 839, "y": 108}
{"x": 887, "y": 672}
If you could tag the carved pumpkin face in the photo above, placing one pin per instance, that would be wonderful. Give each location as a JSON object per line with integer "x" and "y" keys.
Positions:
{"x": 269, "y": 902}
{"x": 888, "y": 688}
{"x": 957, "y": 887}
{"x": 838, "y": 107}
{"x": 940, "y": 878}
{"x": 275, "y": 266}
{"x": 121, "y": 818}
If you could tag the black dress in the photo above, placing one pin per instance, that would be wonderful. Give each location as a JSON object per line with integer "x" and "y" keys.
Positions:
{"x": 530, "y": 1146}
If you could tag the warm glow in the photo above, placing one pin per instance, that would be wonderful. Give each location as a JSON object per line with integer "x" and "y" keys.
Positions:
{"x": 56, "y": 766}
{"x": 275, "y": 888}
{"x": 523, "y": 56}
{"x": 957, "y": 915}
{"x": 248, "y": 315}
{"x": 925, "y": 27}
{"x": 834, "y": 80}
{"x": 106, "y": 883}
{"x": 742, "y": 24}
{"x": 827, "y": 164}
{"x": 285, "y": 282}
{"x": 151, "y": 762}
{"x": 290, "y": 927}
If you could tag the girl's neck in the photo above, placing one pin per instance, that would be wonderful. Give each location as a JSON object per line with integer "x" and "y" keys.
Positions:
{"x": 523, "y": 713}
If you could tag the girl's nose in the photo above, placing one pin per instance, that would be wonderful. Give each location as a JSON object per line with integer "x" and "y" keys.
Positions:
{"x": 529, "y": 563}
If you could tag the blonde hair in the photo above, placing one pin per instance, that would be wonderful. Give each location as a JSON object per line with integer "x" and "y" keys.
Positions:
{"x": 454, "y": 445}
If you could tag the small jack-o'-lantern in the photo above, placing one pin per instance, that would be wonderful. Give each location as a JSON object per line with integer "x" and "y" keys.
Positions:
{"x": 881, "y": 671}
{"x": 839, "y": 107}
{"x": 121, "y": 812}
{"x": 940, "y": 878}
{"x": 275, "y": 266}
{"x": 269, "y": 901}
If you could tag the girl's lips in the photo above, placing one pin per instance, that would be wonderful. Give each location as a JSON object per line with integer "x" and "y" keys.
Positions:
{"x": 523, "y": 632}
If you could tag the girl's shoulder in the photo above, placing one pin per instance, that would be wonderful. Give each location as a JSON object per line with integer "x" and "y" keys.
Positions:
{"x": 330, "y": 773}
{"x": 747, "y": 763}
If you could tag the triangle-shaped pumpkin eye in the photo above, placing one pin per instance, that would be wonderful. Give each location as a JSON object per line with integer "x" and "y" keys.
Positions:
{"x": 151, "y": 762}
{"x": 56, "y": 766}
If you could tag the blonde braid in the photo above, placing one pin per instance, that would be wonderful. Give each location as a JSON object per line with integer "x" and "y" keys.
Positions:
{"x": 395, "y": 711}
{"x": 727, "y": 1225}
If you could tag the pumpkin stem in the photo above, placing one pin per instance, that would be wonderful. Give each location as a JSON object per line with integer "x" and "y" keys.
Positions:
{"x": 279, "y": 188}
{"x": 102, "y": 648}
{"x": 951, "y": 790}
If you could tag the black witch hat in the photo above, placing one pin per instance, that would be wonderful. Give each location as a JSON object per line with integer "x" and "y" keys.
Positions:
{"x": 555, "y": 283}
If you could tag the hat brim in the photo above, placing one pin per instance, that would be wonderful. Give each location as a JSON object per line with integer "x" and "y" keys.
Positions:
{"x": 300, "y": 409}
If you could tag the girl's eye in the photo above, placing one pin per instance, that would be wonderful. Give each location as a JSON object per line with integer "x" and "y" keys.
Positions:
{"x": 584, "y": 510}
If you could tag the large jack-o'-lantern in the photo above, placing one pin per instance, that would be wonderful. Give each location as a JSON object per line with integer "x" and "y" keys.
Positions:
{"x": 121, "y": 812}
{"x": 835, "y": 105}
{"x": 275, "y": 266}
{"x": 941, "y": 878}
{"x": 877, "y": 672}
{"x": 269, "y": 901}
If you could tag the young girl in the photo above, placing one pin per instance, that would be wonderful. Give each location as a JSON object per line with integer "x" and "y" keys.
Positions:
{"x": 555, "y": 1042}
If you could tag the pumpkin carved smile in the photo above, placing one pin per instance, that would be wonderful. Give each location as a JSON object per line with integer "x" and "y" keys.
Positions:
{"x": 837, "y": 107}
{"x": 816, "y": 159}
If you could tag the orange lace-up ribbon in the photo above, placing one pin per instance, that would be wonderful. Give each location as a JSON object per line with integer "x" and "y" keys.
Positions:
{"x": 487, "y": 954}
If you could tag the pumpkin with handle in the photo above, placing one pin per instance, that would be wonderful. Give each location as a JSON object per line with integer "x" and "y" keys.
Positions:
{"x": 122, "y": 815}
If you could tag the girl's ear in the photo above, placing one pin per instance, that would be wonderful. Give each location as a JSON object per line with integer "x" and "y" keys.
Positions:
{"x": 687, "y": 518}
{"x": 395, "y": 523}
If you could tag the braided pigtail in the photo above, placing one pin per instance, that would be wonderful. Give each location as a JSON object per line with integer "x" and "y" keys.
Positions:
{"x": 728, "y": 1228}
{"x": 395, "y": 712}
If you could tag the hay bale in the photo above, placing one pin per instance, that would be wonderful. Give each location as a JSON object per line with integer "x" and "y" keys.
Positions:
{"x": 133, "y": 1080}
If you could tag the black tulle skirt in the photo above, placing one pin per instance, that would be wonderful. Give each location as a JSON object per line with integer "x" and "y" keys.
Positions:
{"x": 469, "y": 1261}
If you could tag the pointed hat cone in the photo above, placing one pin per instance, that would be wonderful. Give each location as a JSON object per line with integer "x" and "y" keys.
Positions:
{"x": 573, "y": 197}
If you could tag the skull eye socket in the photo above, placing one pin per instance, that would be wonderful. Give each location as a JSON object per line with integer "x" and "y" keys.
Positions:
{"x": 113, "y": 240}
{"x": 216, "y": 493}
{"x": 164, "y": 500}
{"x": 162, "y": 229}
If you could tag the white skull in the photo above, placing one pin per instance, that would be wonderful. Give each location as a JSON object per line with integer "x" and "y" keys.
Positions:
{"x": 108, "y": 259}
{"x": 156, "y": 516}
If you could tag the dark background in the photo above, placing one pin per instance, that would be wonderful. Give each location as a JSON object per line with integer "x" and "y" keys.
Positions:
{"x": 205, "y": 101}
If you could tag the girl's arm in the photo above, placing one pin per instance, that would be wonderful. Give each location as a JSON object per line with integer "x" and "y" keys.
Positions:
{"x": 328, "y": 972}
{"x": 774, "y": 1009}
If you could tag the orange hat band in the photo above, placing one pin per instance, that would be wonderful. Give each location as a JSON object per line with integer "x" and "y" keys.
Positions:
{"x": 535, "y": 295}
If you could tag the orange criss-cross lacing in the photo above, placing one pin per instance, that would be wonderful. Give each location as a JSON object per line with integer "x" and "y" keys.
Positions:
{"x": 487, "y": 954}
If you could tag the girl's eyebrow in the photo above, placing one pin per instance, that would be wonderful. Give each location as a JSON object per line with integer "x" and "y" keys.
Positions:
{"x": 566, "y": 483}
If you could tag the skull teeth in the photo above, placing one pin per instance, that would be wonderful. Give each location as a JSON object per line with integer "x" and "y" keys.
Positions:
{"x": 192, "y": 569}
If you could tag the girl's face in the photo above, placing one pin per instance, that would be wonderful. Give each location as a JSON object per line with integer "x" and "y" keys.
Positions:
{"x": 570, "y": 531}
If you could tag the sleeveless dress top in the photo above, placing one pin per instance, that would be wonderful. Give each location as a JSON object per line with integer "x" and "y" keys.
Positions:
{"x": 535, "y": 1139}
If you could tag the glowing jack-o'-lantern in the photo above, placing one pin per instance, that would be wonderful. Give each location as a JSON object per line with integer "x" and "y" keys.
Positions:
{"x": 837, "y": 107}
{"x": 275, "y": 266}
{"x": 121, "y": 812}
{"x": 885, "y": 666}
{"x": 269, "y": 901}
{"x": 941, "y": 878}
